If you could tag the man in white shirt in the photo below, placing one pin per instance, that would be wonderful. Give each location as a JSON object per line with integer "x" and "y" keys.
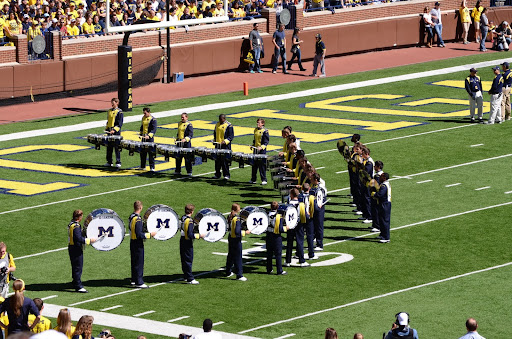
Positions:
{"x": 471, "y": 326}
{"x": 207, "y": 334}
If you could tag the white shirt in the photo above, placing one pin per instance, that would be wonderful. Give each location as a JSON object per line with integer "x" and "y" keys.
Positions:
{"x": 207, "y": 335}
{"x": 472, "y": 335}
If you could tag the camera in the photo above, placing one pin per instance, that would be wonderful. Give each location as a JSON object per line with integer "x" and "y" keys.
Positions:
{"x": 184, "y": 336}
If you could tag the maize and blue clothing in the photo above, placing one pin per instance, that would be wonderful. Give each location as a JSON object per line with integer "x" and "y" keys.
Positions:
{"x": 137, "y": 237}
{"x": 297, "y": 235}
{"x": 318, "y": 218}
{"x": 234, "y": 259}
{"x": 185, "y": 131}
{"x": 261, "y": 139}
{"x": 20, "y": 323}
{"x": 148, "y": 127}
{"x": 365, "y": 190}
{"x": 187, "y": 246}
{"x": 384, "y": 209}
{"x": 114, "y": 122}
{"x": 307, "y": 216}
{"x": 496, "y": 96}
{"x": 274, "y": 241}
{"x": 76, "y": 242}
{"x": 374, "y": 206}
{"x": 223, "y": 132}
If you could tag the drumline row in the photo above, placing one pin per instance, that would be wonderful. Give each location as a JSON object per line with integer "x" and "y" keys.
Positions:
{"x": 176, "y": 152}
{"x": 108, "y": 228}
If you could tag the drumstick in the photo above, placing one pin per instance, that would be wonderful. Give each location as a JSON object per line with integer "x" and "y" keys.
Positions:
{"x": 101, "y": 237}
{"x": 208, "y": 234}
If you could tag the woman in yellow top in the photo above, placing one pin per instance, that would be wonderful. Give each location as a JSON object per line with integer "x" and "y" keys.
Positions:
{"x": 83, "y": 328}
{"x": 88, "y": 26}
{"x": 475, "y": 14}
{"x": 465, "y": 19}
{"x": 64, "y": 324}
{"x": 13, "y": 25}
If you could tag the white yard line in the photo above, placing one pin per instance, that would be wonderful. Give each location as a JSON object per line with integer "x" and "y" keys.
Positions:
{"x": 259, "y": 101}
{"x": 376, "y": 297}
{"x": 50, "y": 297}
{"x": 143, "y": 313}
{"x": 111, "y": 308}
{"x": 179, "y": 318}
{"x": 451, "y": 185}
{"x": 476, "y": 145}
{"x": 482, "y": 188}
{"x": 345, "y": 171}
{"x": 424, "y": 181}
{"x": 320, "y": 167}
{"x": 508, "y": 192}
{"x": 218, "y": 323}
{"x": 286, "y": 336}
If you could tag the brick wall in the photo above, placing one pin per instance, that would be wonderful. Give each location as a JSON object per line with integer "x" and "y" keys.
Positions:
{"x": 7, "y": 54}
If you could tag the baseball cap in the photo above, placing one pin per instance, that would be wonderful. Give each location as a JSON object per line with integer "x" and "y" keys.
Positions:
{"x": 437, "y": 3}
{"x": 473, "y": 70}
{"x": 319, "y": 36}
{"x": 55, "y": 20}
{"x": 402, "y": 318}
{"x": 505, "y": 64}
{"x": 495, "y": 68}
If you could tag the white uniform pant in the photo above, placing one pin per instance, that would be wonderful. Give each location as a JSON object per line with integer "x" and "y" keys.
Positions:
{"x": 477, "y": 102}
{"x": 495, "y": 108}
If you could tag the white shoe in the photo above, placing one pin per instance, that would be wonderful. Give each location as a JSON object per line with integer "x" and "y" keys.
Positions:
{"x": 305, "y": 264}
{"x": 193, "y": 282}
{"x": 322, "y": 76}
{"x": 132, "y": 283}
{"x": 375, "y": 229}
{"x": 226, "y": 177}
{"x": 118, "y": 165}
{"x": 283, "y": 273}
{"x": 353, "y": 205}
{"x": 252, "y": 182}
{"x": 242, "y": 279}
{"x": 263, "y": 183}
{"x": 383, "y": 241}
{"x": 230, "y": 275}
{"x": 359, "y": 213}
{"x": 367, "y": 221}
{"x": 319, "y": 249}
{"x": 82, "y": 290}
{"x": 151, "y": 169}
{"x": 315, "y": 257}
{"x": 287, "y": 264}
{"x": 108, "y": 165}
{"x": 142, "y": 286}
{"x": 189, "y": 174}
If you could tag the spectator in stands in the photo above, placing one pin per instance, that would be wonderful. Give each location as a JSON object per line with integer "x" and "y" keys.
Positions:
{"x": 219, "y": 10}
{"x": 88, "y": 26}
{"x": 317, "y": 3}
{"x": 475, "y": 14}
{"x": 72, "y": 30}
{"x": 33, "y": 31}
{"x": 471, "y": 326}
{"x": 44, "y": 323}
{"x": 180, "y": 9}
{"x": 54, "y": 26}
{"x": 64, "y": 324}
{"x": 435, "y": 13}
{"x": 236, "y": 12}
{"x": 207, "y": 3}
{"x": 102, "y": 10}
{"x": 207, "y": 328}
{"x": 465, "y": 20}
{"x": 26, "y": 23}
{"x": 114, "y": 22}
{"x": 98, "y": 25}
{"x": 358, "y": 336}
{"x": 400, "y": 327}
{"x": 252, "y": 9}
{"x": 83, "y": 328}
{"x": 192, "y": 6}
{"x": 427, "y": 21}
{"x": 172, "y": 16}
{"x": 186, "y": 14}
{"x": 484, "y": 28}
{"x": 13, "y": 25}
{"x": 330, "y": 333}
{"x": 296, "y": 50}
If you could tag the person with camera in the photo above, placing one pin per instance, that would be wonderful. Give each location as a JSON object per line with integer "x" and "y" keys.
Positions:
{"x": 279, "y": 41}
{"x": 6, "y": 267}
{"x": 401, "y": 329}
{"x": 503, "y": 37}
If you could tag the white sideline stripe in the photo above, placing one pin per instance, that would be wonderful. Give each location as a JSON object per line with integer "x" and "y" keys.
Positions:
{"x": 320, "y": 167}
{"x": 377, "y": 297}
{"x": 482, "y": 188}
{"x": 49, "y": 297}
{"x": 245, "y": 102}
{"x": 218, "y": 323}
{"x": 424, "y": 181}
{"x": 143, "y": 313}
{"x": 508, "y": 192}
{"x": 134, "y": 324}
{"x": 179, "y": 318}
{"x": 476, "y": 145}
{"x": 451, "y": 185}
{"x": 111, "y": 308}
{"x": 286, "y": 336}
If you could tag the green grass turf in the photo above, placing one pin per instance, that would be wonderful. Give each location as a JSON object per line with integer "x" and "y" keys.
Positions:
{"x": 419, "y": 254}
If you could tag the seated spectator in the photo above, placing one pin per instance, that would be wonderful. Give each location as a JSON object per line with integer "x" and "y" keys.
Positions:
{"x": 186, "y": 14}
{"x": 64, "y": 324}
{"x": 180, "y": 9}
{"x": 471, "y": 326}
{"x": 72, "y": 30}
{"x": 192, "y": 6}
{"x": 207, "y": 328}
{"x": 44, "y": 323}
{"x": 502, "y": 37}
{"x": 152, "y": 16}
{"x": 218, "y": 10}
{"x": 88, "y": 26}
{"x": 26, "y": 23}
{"x": 130, "y": 16}
{"x": 207, "y": 3}
{"x": 72, "y": 10}
{"x": 54, "y": 26}
{"x": 83, "y": 328}
{"x": 400, "y": 327}
{"x": 207, "y": 12}
{"x": 199, "y": 14}
{"x": 105, "y": 333}
{"x": 330, "y": 333}
{"x": 5, "y": 11}
{"x": 138, "y": 12}
{"x": 236, "y": 12}
{"x": 252, "y": 9}
{"x": 113, "y": 21}
{"x": 12, "y": 25}
{"x": 98, "y": 25}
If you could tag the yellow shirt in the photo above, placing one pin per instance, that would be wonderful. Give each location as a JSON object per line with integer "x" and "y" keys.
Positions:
{"x": 32, "y": 32}
{"x": 475, "y": 14}
{"x": 258, "y": 133}
{"x": 193, "y": 10}
{"x": 87, "y": 29}
{"x": 73, "y": 30}
{"x": 464, "y": 15}
{"x": 218, "y": 12}
{"x": 207, "y": 3}
{"x": 220, "y": 130}
{"x": 111, "y": 118}
{"x": 4, "y": 319}
{"x": 74, "y": 14}
{"x": 182, "y": 126}
{"x": 44, "y": 323}
{"x": 145, "y": 126}
{"x": 2, "y": 24}
{"x": 14, "y": 26}
{"x": 238, "y": 13}
{"x": 69, "y": 333}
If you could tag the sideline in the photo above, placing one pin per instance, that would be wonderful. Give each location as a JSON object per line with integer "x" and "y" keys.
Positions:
{"x": 260, "y": 100}
{"x": 377, "y": 297}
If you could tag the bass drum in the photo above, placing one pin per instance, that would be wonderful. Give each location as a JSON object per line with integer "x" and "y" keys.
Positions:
{"x": 320, "y": 196}
{"x": 106, "y": 226}
{"x": 211, "y": 223}
{"x": 290, "y": 215}
{"x": 255, "y": 219}
{"x": 163, "y": 220}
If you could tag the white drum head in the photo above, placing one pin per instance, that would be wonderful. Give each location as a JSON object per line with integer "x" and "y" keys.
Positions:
{"x": 163, "y": 220}
{"x": 257, "y": 221}
{"x": 214, "y": 226}
{"x": 320, "y": 196}
{"x": 107, "y": 228}
{"x": 291, "y": 217}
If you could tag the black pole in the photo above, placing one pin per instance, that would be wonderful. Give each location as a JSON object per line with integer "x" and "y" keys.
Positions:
{"x": 167, "y": 5}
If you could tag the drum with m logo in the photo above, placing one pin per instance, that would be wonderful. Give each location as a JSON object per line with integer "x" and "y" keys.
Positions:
{"x": 290, "y": 215}
{"x": 255, "y": 219}
{"x": 105, "y": 225}
{"x": 163, "y": 220}
{"x": 211, "y": 223}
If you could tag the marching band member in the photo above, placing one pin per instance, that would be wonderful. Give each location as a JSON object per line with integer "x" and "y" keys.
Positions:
{"x": 274, "y": 241}
{"x": 355, "y": 140}
{"x": 365, "y": 190}
{"x": 186, "y": 244}
{"x": 290, "y": 160}
{"x": 147, "y": 134}
{"x": 308, "y": 226}
{"x": 384, "y": 205}
{"x": 319, "y": 212}
{"x": 7, "y": 266}
{"x": 222, "y": 136}
{"x": 185, "y": 134}
{"x": 379, "y": 165}
{"x": 287, "y": 130}
{"x": 137, "y": 237}
{"x": 114, "y": 124}
{"x": 235, "y": 244}
{"x": 259, "y": 143}
{"x": 75, "y": 249}
{"x": 296, "y": 234}
{"x": 354, "y": 178}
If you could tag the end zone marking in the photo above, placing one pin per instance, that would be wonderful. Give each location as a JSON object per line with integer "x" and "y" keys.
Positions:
{"x": 476, "y": 145}
{"x": 110, "y": 308}
{"x": 424, "y": 181}
{"x": 179, "y": 318}
{"x": 482, "y": 188}
{"x": 451, "y": 185}
{"x": 143, "y": 313}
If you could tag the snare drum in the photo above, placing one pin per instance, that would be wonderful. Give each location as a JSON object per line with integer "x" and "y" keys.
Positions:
{"x": 106, "y": 226}
{"x": 255, "y": 219}
{"x": 131, "y": 146}
{"x": 238, "y": 157}
{"x": 163, "y": 220}
{"x": 95, "y": 139}
{"x": 212, "y": 223}
{"x": 211, "y": 153}
{"x": 224, "y": 153}
{"x": 201, "y": 152}
{"x": 290, "y": 214}
{"x": 249, "y": 159}
{"x": 188, "y": 153}
{"x": 149, "y": 147}
{"x": 114, "y": 140}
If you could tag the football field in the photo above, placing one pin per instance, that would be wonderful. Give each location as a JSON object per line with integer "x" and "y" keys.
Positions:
{"x": 449, "y": 257}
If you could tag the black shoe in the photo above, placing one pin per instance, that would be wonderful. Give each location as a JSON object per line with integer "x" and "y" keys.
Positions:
{"x": 302, "y": 69}
{"x": 286, "y": 72}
